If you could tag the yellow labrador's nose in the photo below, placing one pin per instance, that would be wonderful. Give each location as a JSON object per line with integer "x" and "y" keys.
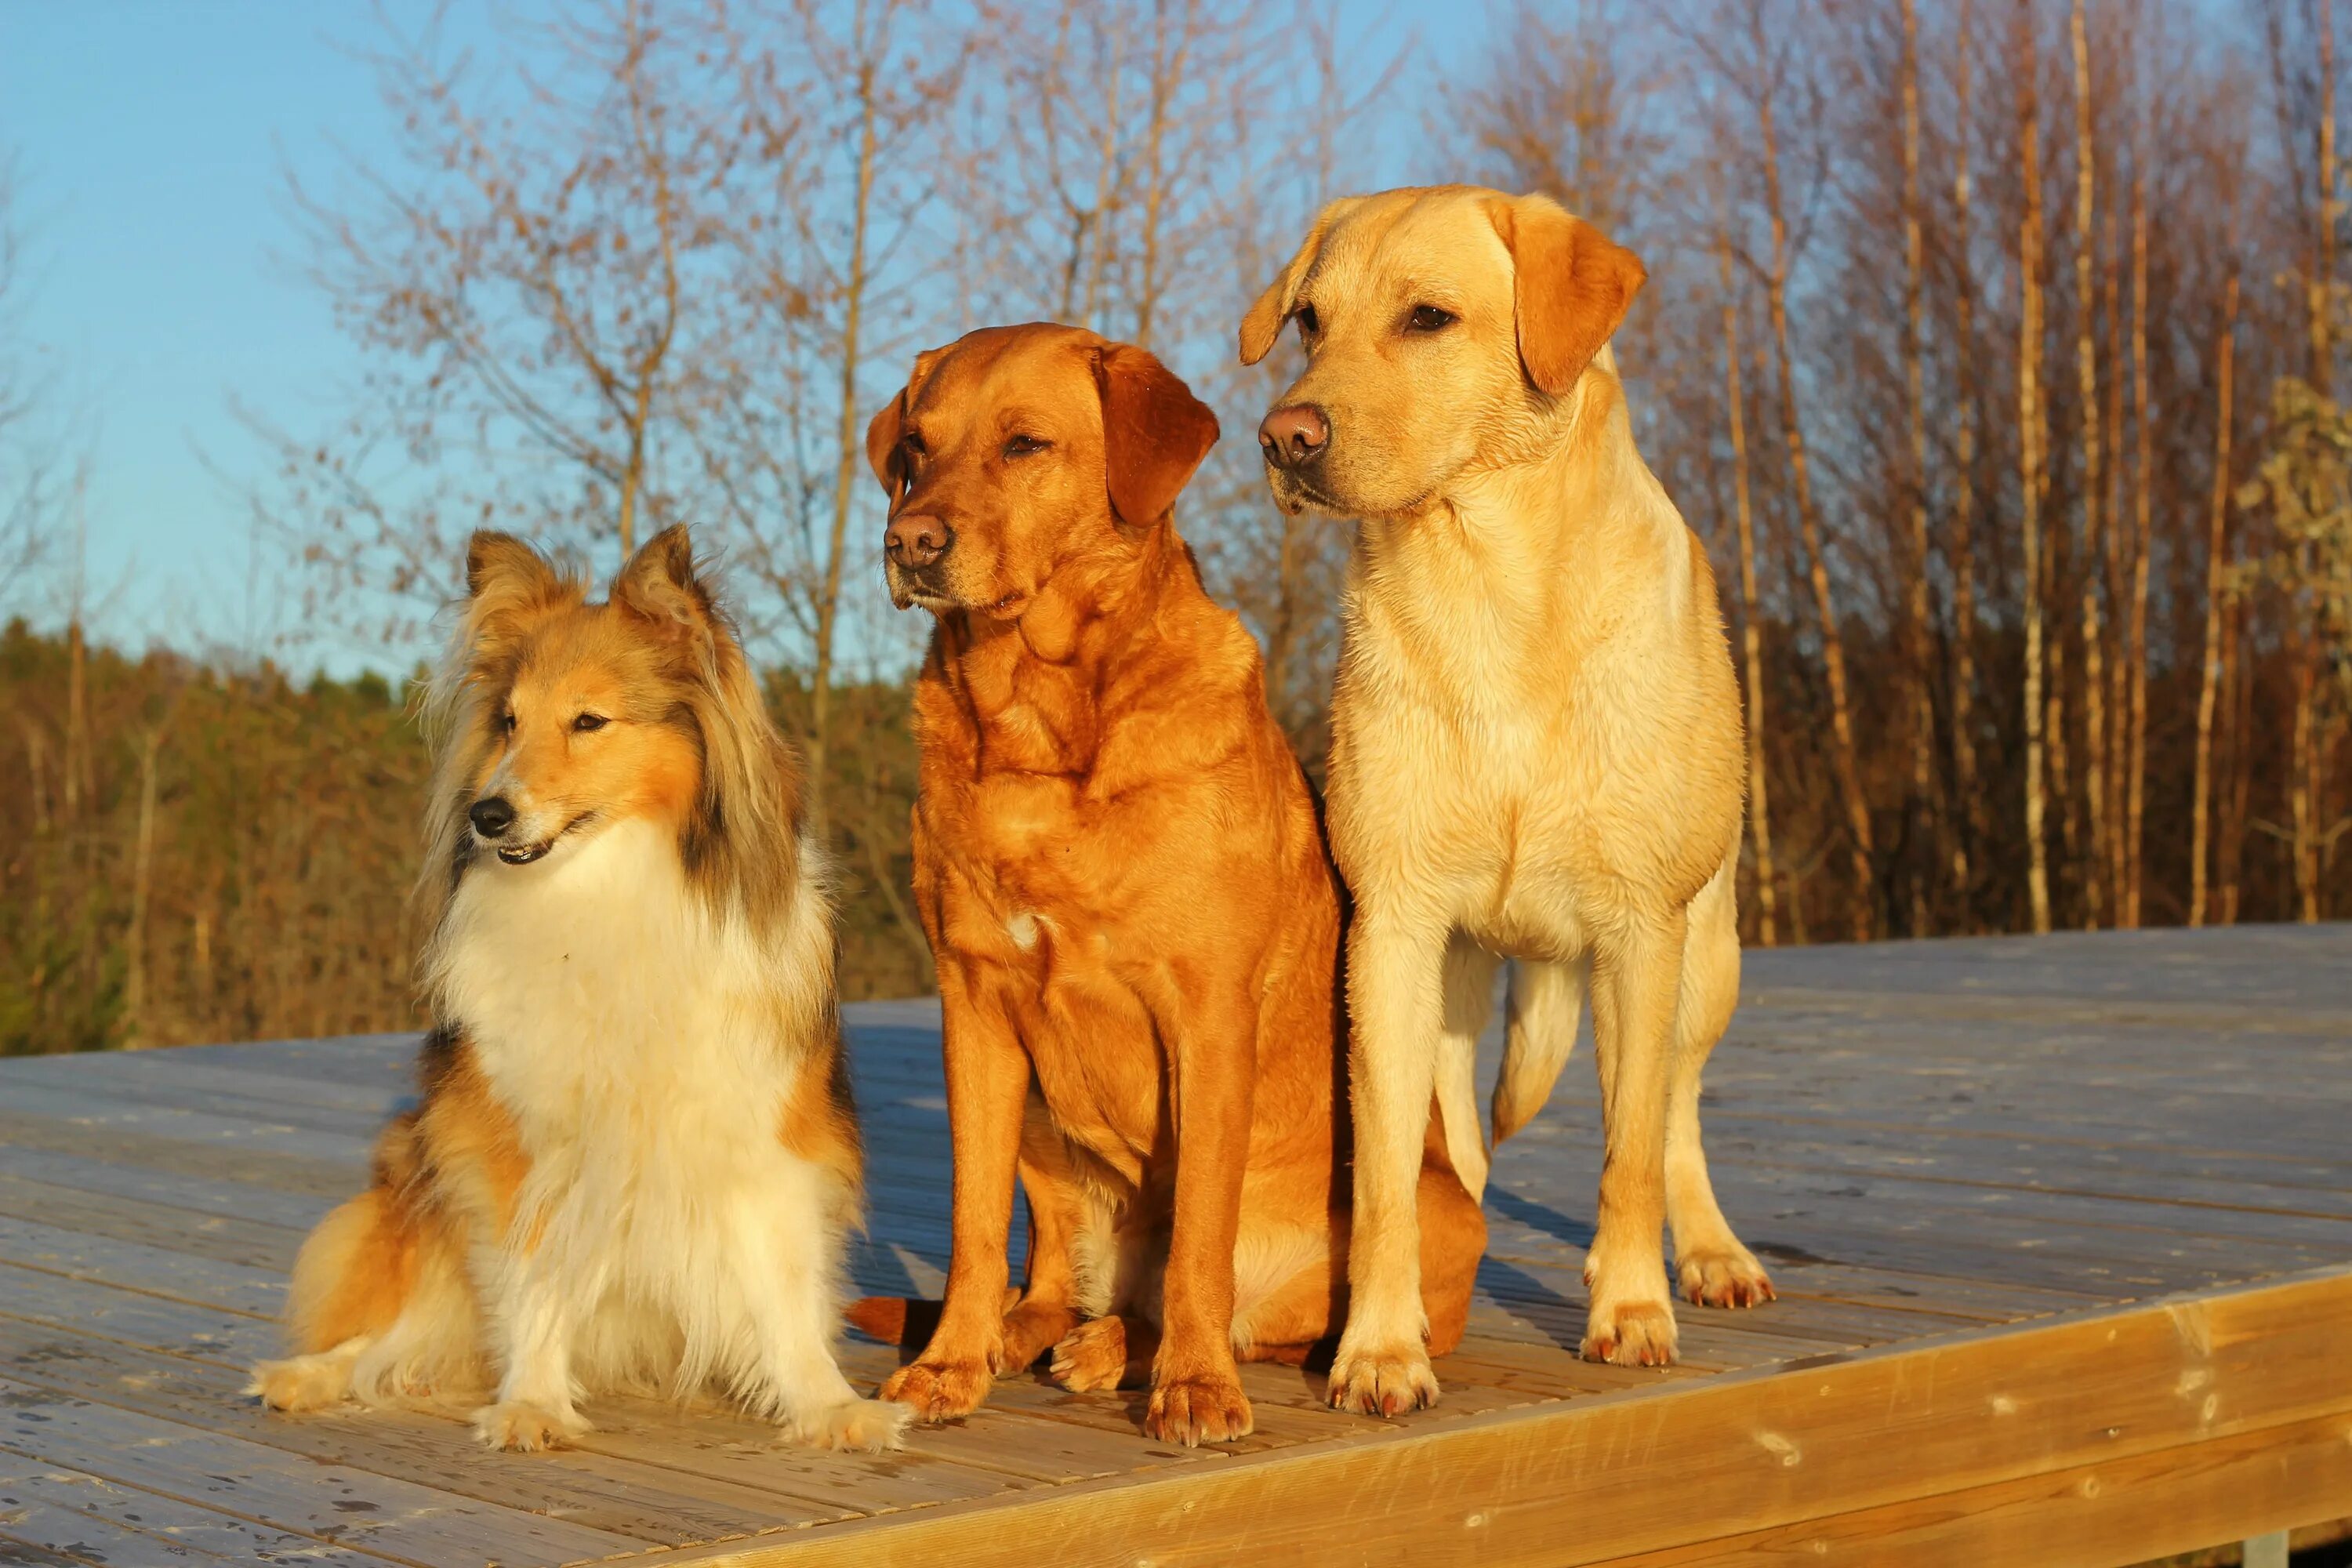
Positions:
{"x": 1294, "y": 437}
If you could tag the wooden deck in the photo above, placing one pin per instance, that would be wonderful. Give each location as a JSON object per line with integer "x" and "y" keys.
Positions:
{"x": 2062, "y": 1228}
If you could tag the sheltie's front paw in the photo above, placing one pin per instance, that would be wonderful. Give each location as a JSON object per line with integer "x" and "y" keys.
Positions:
{"x": 940, "y": 1393}
{"x": 302, "y": 1382}
{"x": 866, "y": 1425}
{"x": 523, "y": 1428}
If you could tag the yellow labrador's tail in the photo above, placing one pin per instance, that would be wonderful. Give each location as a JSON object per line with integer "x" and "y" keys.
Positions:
{"x": 1537, "y": 1035}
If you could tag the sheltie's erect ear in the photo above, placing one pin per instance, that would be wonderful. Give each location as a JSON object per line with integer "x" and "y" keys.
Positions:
{"x": 509, "y": 585}
{"x": 661, "y": 585}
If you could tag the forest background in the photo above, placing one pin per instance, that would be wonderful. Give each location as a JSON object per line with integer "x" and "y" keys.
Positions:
{"x": 1992, "y": 346}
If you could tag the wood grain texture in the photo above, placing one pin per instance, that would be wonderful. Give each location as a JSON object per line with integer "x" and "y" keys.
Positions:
{"x": 2061, "y": 1225}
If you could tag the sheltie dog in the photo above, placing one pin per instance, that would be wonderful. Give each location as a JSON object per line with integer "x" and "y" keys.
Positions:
{"x": 635, "y": 1159}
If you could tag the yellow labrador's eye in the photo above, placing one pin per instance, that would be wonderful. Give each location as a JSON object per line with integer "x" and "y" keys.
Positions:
{"x": 1026, "y": 446}
{"x": 1308, "y": 323}
{"x": 1429, "y": 319}
{"x": 588, "y": 721}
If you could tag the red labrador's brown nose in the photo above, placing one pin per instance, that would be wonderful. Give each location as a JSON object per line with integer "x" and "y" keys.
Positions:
{"x": 1295, "y": 436}
{"x": 916, "y": 540}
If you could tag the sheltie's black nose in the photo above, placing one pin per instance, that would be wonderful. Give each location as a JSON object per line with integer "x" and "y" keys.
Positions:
{"x": 491, "y": 817}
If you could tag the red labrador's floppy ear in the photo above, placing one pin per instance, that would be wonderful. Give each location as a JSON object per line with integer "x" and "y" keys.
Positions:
{"x": 660, "y": 584}
{"x": 1155, "y": 433}
{"x": 1574, "y": 288}
{"x": 1263, "y": 325}
{"x": 889, "y": 426}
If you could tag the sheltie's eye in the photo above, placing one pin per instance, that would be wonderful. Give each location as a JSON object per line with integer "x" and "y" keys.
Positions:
{"x": 507, "y": 722}
{"x": 589, "y": 722}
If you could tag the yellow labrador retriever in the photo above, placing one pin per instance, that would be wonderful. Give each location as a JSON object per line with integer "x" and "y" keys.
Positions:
{"x": 1536, "y": 740}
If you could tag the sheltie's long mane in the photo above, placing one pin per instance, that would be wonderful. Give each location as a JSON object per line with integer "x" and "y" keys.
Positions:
{"x": 677, "y": 648}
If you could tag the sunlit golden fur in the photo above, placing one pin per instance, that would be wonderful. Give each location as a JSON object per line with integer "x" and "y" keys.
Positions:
{"x": 633, "y": 1161}
{"x": 1536, "y": 740}
{"x": 1118, "y": 866}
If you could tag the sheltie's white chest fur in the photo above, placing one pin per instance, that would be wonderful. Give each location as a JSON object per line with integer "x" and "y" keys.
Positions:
{"x": 648, "y": 1052}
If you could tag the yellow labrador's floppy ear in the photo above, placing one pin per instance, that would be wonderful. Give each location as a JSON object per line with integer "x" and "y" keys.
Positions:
{"x": 1574, "y": 288}
{"x": 661, "y": 585}
{"x": 1263, "y": 325}
{"x": 1155, "y": 433}
{"x": 889, "y": 426}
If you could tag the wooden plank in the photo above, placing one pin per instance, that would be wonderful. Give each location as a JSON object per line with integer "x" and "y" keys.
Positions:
{"x": 131, "y": 1318}
{"x": 130, "y": 1266}
{"x": 84, "y": 1518}
{"x": 395, "y": 1517}
{"x": 1588, "y": 1481}
{"x": 2096, "y": 1515}
{"x": 224, "y": 1238}
{"x": 332, "y": 1178}
{"x": 200, "y": 1195}
{"x": 612, "y": 1479}
{"x": 92, "y": 1109}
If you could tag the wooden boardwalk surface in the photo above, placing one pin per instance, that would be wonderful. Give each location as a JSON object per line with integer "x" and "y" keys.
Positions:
{"x": 2063, "y": 1229}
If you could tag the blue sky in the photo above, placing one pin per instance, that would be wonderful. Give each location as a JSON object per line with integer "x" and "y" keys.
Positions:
{"x": 152, "y": 138}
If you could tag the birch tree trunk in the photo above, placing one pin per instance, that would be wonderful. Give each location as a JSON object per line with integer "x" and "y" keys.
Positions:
{"x": 851, "y": 451}
{"x": 1760, "y": 810}
{"x": 2029, "y": 463}
{"x": 1964, "y": 500}
{"x": 2094, "y": 735}
{"x": 1923, "y": 704}
{"x": 1841, "y": 749}
{"x": 2143, "y": 501}
{"x": 2216, "y": 594}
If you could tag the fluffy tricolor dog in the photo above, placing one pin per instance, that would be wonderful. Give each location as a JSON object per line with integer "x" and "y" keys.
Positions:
{"x": 635, "y": 1159}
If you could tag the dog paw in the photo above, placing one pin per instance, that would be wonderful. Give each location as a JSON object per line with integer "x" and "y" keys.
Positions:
{"x": 939, "y": 1393}
{"x": 523, "y": 1428}
{"x": 864, "y": 1426}
{"x": 1630, "y": 1333}
{"x": 1723, "y": 1277}
{"x": 1385, "y": 1382}
{"x": 1031, "y": 1329}
{"x": 301, "y": 1382}
{"x": 1092, "y": 1356}
{"x": 1196, "y": 1410}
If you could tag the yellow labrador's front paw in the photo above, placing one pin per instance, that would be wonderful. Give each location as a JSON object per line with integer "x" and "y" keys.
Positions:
{"x": 1723, "y": 1277}
{"x": 938, "y": 1392}
{"x": 1196, "y": 1410}
{"x": 1391, "y": 1379}
{"x": 524, "y": 1428}
{"x": 864, "y": 1426}
{"x": 1092, "y": 1356}
{"x": 302, "y": 1382}
{"x": 1632, "y": 1333}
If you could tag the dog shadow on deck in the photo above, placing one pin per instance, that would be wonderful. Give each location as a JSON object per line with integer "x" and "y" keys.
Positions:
{"x": 1532, "y": 1298}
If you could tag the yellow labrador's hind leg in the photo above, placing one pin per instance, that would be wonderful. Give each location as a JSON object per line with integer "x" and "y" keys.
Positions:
{"x": 308, "y": 1381}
